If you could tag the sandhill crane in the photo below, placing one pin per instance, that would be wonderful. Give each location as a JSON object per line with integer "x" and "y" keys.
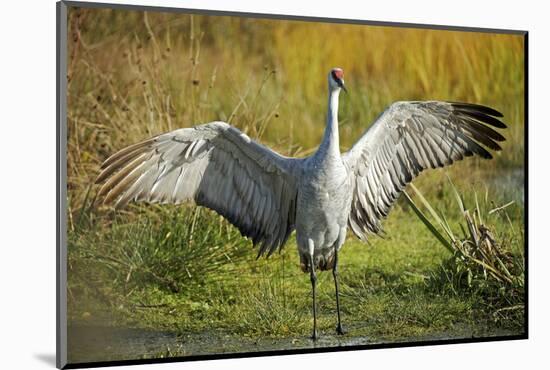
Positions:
{"x": 267, "y": 195}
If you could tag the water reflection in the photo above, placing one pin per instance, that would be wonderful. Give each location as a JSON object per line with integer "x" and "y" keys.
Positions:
{"x": 97, "y": 343}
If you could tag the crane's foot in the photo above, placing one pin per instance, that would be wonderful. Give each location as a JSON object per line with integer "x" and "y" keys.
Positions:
{"x": 314, "y": 335}
{"x": 340, "y": 330}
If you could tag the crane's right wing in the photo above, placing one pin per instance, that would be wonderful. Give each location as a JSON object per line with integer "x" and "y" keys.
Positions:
{"x": 218, "y": 167}
{"x": 408, "y": 138}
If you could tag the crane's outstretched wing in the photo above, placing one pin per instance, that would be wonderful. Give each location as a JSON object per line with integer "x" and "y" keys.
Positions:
{"x": 407, "y": 138}
{"x": 218, "y": 167}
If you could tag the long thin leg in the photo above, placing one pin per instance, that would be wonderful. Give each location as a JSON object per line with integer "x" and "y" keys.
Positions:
{"x": 339, "y": 329}
{"x": 313, "y": 278}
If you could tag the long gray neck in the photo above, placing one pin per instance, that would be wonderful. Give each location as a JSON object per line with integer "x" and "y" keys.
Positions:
{"x": 331, "y": 142}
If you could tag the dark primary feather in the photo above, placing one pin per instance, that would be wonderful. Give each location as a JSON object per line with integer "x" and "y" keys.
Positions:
{"x": 408, "y": 138}
{"x": 478, "y": 108}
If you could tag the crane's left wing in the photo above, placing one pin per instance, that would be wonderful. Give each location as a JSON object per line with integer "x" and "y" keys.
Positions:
{"x": 216, "y": 166}
{"x": 406, "y": 139}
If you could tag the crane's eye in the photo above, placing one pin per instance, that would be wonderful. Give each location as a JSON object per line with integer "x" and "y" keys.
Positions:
{"x": 337, "y": 75}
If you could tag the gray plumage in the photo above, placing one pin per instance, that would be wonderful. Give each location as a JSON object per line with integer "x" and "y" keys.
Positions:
{"x": 218, "y": 167}
{"x": 408, "y": 138}
{"x": 267, "y": 196}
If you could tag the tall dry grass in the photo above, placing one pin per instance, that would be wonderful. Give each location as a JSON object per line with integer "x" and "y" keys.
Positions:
{"x": 134, "y": 74}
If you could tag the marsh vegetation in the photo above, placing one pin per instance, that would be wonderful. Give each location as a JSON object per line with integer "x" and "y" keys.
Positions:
{"x": 185, "y": 270}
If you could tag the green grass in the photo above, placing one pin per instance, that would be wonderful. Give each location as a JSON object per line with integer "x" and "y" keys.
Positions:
{"x": 133, "y": 75}
{"x": 149, "y": 270}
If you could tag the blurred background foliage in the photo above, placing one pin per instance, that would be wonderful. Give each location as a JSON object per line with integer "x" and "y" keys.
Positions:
{"x": 133, "y": 74}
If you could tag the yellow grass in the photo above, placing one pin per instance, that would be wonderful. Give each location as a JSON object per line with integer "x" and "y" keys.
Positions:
{"x": 134, "y": 74}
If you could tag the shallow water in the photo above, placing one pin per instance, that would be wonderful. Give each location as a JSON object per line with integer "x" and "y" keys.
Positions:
{"x": 102, "y": 343}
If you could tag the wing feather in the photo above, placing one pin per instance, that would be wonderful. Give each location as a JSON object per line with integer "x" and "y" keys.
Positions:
{"x": 216, "y": 166}
{"x": 406, "y": 139}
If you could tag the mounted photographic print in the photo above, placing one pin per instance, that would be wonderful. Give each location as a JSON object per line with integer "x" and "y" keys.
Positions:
{"x": 236, "y": 184}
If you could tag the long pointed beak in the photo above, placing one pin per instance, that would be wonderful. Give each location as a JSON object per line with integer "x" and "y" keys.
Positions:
{"x": 341, "y": 85}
